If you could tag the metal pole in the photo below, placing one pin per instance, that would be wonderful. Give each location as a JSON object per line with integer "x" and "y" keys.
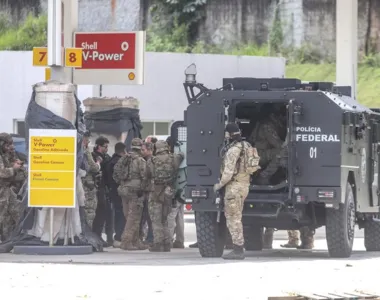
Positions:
{"x": 51, "y": 241}
{"x": 346, "y": 44}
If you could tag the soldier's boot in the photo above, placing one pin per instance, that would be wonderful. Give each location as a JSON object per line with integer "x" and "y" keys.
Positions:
{"x": 141, "y": 245}
{"x": 293, "y": 239}
{"x": 157, "y": 247}
{"x": 268, "y": 238}
{"x": 307, "y": 238}
{"x": 105, "y": 244}
{"x": 178, "y": 245}
{"x": 127, "y": 243}
{"x": 237, "y": 253}
{"x": 167, "y": 247}
{"x": 116, "y": 244}
{"x": 128, "y": 246}
{"x": 307, "y": 245}
{"x": 292, "y": 243}
{"x": 195, "y": 245}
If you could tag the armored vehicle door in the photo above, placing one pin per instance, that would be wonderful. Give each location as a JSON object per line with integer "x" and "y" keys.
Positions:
{"x": 178, "y": 134}
{"x": 315, "y": 127}
{"x": 205, "y": 122}
{"x": 374, "y": 147}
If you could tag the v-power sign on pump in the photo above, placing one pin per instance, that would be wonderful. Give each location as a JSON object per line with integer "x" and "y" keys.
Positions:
{"x": 110, "y": 57}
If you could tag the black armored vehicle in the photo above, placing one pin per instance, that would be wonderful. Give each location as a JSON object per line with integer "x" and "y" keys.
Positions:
{"x": 331, "y": 176}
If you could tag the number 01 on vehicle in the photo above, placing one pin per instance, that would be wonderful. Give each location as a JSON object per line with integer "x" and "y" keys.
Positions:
{"x": 73, "y": 57}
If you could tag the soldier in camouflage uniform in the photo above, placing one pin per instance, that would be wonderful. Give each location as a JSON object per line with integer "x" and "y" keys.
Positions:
{"x": 88, "y": 181}
{"x": 307, "y": 238}
{"x": 236, "y": 181}
{"x": 161, "y": 171}
{"x": 130, "y": 173}
{"x": 12, "y": 174}
{"x": 268, "y": 137}
{"x": 147, "y": 151}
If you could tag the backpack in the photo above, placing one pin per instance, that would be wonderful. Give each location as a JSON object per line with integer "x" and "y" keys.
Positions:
{"x": 250, "y": 157}
{"x": 163, "y": 169}
{"x": 122, "y": 168}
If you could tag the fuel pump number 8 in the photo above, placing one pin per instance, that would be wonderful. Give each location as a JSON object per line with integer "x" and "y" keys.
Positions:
{"x": 313, "y": 152}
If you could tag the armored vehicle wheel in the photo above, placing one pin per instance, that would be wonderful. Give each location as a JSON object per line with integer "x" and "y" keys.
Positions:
{"x": 340, "y": 226}
{"x": 372, "y": 236}
{"x": 211, "y": 235}
{"x": 253, "y": 238}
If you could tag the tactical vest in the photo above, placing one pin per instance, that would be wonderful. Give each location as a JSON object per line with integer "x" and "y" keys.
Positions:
{"x": 163, "y": 170}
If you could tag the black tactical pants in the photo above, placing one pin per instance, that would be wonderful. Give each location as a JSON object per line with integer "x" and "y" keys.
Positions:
{"x": 119, "y": 219}
{"x": 103, "y": 216}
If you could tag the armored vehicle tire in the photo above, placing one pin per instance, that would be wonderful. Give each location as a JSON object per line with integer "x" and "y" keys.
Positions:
{"x": 372, "y": 236}
{"x": 340, "y": 226}
{"x": 253, "y": 238}
{"x": 211, "y": 235}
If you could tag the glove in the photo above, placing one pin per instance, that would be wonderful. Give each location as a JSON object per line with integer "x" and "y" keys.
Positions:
{"x": 216, "y": 187}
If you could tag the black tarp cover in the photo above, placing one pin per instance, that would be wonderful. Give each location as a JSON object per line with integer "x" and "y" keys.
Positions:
{"x": 38, "y": 117}
{"x": 115, "y": 122}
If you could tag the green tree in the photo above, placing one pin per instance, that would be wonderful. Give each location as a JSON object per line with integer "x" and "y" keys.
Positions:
{"x": 32, "y": 33}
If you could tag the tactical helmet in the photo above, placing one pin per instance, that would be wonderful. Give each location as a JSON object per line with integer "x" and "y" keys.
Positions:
{"x": 232, "y": 128}
{"x": 137, "y": 143}
{"x": 5, "y": 139}
{"x": 161, "y": 146}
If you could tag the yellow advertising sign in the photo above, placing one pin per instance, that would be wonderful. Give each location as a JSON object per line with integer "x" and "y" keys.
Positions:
{"x": 40, "y": 58}
{"x": 73, "y": 57}
{"x": 52, "y": 168}
{"x": 47, "y": 74}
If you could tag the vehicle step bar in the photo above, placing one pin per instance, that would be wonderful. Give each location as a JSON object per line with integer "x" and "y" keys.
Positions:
{"x": 269, "y": 187}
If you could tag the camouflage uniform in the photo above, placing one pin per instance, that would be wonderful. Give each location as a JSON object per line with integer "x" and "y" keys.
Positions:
{"x": 130, "y": 174}
{"x": 307, "y": 238}
{"x": 236, "y": 182}
{"x": 90, "y": 188}
{"x": 266, "y": 138}
{"x": 270, "y": 147}
{"x": 293, "y": 239}
{"x": 161, "y": 171}
{"x": 11, "y": 181}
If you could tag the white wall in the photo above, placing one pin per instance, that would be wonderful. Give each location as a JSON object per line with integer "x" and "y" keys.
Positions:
{"x": 162, "y": 97}
{"x": 17, "y": 76}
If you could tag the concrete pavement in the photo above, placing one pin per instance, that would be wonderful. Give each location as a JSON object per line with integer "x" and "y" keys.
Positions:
{"x": 279, "y": 235}
{"x": 182, "y": 274}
